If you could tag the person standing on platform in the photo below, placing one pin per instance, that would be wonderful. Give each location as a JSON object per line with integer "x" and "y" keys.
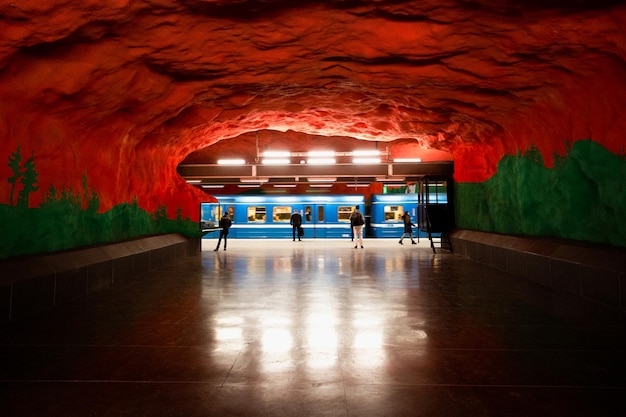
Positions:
{"x": 357, "y": 221}
{"x": 296, "y": 224}
{"x": 408, "y": 227}
{"x": 224, "y": 225}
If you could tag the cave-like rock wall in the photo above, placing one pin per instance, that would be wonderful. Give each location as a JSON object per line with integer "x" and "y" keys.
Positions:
{"x": 114, "y": 94}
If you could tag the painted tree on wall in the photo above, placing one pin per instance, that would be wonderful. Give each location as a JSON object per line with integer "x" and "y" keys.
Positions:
{"x": 25, "y": 174}
{"x": 15, "y": 160}
{"x": 29, "y": 181}
{"x": 69, "y": 218}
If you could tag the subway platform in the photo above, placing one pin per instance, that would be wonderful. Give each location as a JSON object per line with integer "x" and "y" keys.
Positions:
{"x": 318, "y": 328}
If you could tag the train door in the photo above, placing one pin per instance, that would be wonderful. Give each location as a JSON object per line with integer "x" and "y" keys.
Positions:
{"x": 314, "y": 220}
{"x": 209, "y": 217}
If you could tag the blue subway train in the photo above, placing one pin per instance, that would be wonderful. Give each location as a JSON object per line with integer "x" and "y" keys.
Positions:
{"x": 386, "y": 210}
{"x": 328, "y": 216}
{"x": 268, "y": 216}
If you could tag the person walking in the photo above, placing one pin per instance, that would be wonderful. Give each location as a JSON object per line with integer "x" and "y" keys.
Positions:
{"x": 357, "y": 221}
{"x": 296, "y": 224}
{"x": 224, "y": 226}
{"x": 408, "y": 227}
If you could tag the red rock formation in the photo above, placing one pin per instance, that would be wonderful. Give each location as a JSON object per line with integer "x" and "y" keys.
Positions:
{"x": 124, "y": 91}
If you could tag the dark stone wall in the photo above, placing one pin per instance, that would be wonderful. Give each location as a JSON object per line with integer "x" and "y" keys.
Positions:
{"x": 595, "y": 272}
{"x": 35, "y": 284}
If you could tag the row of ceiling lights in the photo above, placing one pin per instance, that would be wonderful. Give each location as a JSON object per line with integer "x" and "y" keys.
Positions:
{"x": 319, "y": 158}
{"x": 321, "y": 182}
{"x": 208, "y": 186}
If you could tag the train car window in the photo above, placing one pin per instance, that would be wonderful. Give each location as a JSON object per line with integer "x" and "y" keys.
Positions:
{"x": 281, "y": 214}
{"x": 307, "y": 214}
{"x": 320, "y": 213}
{"x": 343, "y": 213}
{"x": 231, "y": 212}
{"x": 393, "y": 213}
{"x": 256, "y": 214}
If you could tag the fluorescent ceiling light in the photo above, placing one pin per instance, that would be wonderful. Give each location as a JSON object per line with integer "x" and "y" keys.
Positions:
{"x": 366, "y": 153}
{"x": 321, "y": 161}
{"x": 276, "y": 154}
{"x": 194, "y": 181}
{"x": 231, "y": 162}
{"x": 366, "y": 161}
{"x": 407, "y": 160}
{"x": 321, "y": 154}
{"x": 357, "y": 185}
{"x": 285, "y": 185}
{"x": 320, "y": 185}
{"x": 259, "y": 180}
{"x": 248, "y": 185}
{"x": 385, "y": 179}
{"x": 322, "y": 179}
{"x": 212, "y": 186}
{"x": 276, "y": 161}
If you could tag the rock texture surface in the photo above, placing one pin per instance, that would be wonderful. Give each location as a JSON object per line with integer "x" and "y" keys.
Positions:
{"x": 122, "y": 91}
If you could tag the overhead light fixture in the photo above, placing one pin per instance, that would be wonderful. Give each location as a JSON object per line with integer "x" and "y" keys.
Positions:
{"x": 277, "y": 154}
{"x": 357, "y": 185}
{"x": 321, "y": 185}
{"x": 366, "y": 153}
{"x": 321, "y": 154}
{"x": 258, "y": 180}
{"x": 407, "y": 160}
{"x": 194, "y": 181}
{"x": 285, "y": 185}
{"x": 322, "y": 179}
{"x": 321, "y": 161}
{"x": 248, "y": 185}
{"x": 276, "y": 161}
{"x": 231, "y": 162}
{"x": 212, "y": 185}
{"x": 366, "y": 160}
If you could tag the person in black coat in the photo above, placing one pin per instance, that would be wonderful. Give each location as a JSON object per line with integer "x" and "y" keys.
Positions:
{"x": 408, "y": 230}
{"x": 296, "y": 224}
{"x": 224, "y": 225}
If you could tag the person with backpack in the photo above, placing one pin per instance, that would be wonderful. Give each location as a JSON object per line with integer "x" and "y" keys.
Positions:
{"x": 357, "y": 221}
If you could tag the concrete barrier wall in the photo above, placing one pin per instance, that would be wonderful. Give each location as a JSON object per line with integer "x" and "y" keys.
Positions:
{"x": 34, "y": 284}
{"x": 592, "y": 271}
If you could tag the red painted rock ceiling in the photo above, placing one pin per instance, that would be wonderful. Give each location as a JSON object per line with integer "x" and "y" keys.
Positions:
{"x": 124, "y": 91}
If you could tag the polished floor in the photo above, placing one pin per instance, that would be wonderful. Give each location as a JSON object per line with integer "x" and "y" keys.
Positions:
{"x": 318, "y": 328}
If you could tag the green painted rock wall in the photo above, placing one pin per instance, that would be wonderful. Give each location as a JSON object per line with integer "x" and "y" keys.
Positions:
{"x": 582, "y": 197}
{"x": 63, "y": 226}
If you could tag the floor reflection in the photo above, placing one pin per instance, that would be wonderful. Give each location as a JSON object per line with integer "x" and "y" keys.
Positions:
{"x": 318, "y": 328}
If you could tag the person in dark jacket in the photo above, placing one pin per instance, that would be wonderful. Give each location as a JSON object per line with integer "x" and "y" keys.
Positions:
{"x": 357, "y": 221}
{"x": 408, "y": 227}
{"x": 296, "y": 224}
{"x": 224, "y": 225}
